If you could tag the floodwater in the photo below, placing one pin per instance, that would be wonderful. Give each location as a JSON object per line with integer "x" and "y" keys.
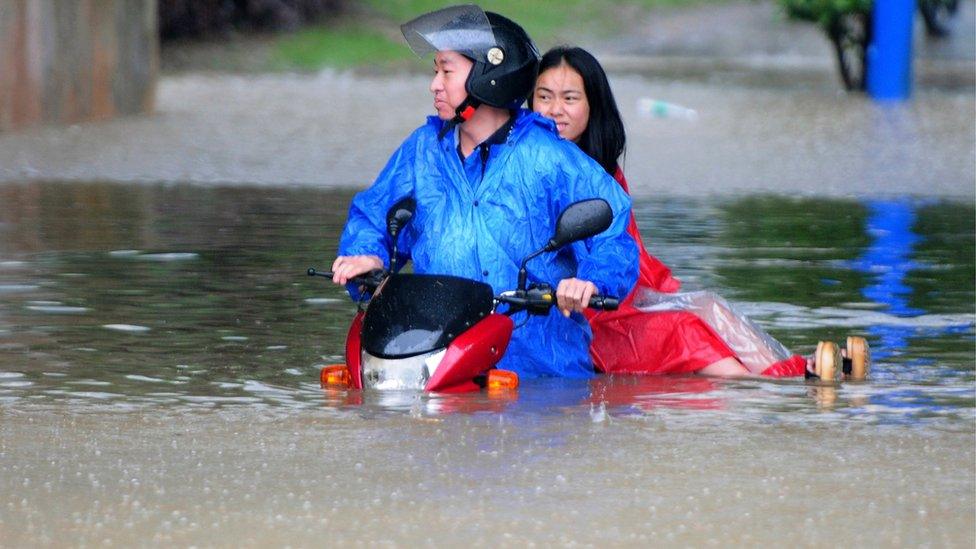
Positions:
{"x": 159, "y": 347}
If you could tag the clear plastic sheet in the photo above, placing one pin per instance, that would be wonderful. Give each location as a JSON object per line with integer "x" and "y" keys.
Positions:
{"x": 755, "y": 348}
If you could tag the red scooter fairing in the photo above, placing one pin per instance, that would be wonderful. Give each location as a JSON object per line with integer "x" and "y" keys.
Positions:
{"x": 471, "y": 354}
{"x": 354, "y": 352}
{"x": 431, "y": 332}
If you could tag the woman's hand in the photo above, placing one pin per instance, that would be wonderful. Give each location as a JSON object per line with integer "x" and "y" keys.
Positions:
{"x": 349, "y": 266}
{"x": 574, "y": 294}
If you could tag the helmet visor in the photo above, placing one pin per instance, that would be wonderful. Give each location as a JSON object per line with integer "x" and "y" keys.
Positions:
{"x": 464, "y": 29}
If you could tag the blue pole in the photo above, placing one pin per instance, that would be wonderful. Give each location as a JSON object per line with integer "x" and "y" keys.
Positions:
{"x": 889, "y": 54}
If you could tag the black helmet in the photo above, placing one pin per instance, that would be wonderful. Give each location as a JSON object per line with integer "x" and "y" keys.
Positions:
{"x": 505, "y": 59}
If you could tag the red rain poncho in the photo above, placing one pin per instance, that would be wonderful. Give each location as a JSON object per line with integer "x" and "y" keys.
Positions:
{"x": 633, "y": 341}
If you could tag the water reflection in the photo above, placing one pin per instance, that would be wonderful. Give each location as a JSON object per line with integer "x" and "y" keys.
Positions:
{"x": 184, "y": 296}
{"x": 888, "y": 260}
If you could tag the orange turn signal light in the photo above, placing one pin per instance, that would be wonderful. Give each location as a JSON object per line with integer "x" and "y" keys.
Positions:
{"x": 502, "y": 379}
{"x": 335, "y": 374}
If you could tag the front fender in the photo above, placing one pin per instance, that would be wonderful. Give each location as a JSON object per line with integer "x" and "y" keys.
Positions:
{"x": 471, "y": 354}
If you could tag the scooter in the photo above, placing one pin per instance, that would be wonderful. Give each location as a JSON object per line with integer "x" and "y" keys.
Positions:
{"x": 439, "y": 333}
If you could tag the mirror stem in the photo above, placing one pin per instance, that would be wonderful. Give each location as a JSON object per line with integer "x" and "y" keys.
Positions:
{"x": 393, "y": 255}
{"x": 523, "y": 274}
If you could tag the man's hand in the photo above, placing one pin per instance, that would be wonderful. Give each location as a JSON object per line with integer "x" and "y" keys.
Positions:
{"x": 574, "y": 294}
{"x": 349, "y": 266}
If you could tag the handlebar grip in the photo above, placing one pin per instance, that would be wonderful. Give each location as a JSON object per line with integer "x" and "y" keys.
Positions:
{"x": 312, "y": 272}
{"x": 604, "y": 303}
{"x": 371, "y": 279}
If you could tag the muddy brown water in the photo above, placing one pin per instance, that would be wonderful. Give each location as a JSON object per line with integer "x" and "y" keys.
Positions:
{"x": 159, "y": 347}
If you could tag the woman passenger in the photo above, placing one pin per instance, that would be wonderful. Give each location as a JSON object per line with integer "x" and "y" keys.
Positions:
{"x": 657, "y": 330}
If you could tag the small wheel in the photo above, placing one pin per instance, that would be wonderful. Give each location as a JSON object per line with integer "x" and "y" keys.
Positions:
{"x": 827, "y": 360}
{"x": 859, "y": 354}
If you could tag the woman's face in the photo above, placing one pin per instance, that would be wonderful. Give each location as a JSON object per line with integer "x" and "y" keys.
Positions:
{"x": 559, "y": 95}
{"x": 450, "y": 73}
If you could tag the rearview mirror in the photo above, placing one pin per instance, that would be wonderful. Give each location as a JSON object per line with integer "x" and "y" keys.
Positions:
{"x": 399, "y": 215}
{"x": 581, "y": 220}
{"x": 397, "y": 218}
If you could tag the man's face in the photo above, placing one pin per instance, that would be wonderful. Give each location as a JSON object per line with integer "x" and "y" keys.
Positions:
{"x": 451, "y": 71}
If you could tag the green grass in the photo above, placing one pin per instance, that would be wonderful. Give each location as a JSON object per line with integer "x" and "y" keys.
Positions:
{"x": 344, "y": 46}
{"x": 372, "y": 38}
{"x": 542, "y": 19}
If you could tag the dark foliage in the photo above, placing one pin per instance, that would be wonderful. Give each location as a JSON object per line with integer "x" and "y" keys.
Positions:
{"x": 201, "y": 18}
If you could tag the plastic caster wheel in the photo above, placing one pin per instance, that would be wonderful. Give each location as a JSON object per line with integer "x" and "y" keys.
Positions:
{"x": 827, "y": 360}
{"x": 859, "y": 353}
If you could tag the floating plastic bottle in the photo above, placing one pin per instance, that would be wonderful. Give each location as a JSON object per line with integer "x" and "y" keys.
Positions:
{"x": 649, "y": 107}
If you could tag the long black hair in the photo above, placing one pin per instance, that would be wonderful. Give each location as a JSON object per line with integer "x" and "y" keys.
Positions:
{"x": 604, "y": 138}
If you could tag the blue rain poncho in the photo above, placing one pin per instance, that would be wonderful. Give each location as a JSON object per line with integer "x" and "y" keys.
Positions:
{"x": 480, "y": 225}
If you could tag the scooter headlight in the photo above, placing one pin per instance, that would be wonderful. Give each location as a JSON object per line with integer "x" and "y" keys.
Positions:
{"x": 392, "y": 374}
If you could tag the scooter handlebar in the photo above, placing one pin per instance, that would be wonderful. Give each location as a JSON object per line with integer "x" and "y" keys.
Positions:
{"x": 370, "y": 280}
{"x": 538, "y": 301}
{"x": 604, "y": 303}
